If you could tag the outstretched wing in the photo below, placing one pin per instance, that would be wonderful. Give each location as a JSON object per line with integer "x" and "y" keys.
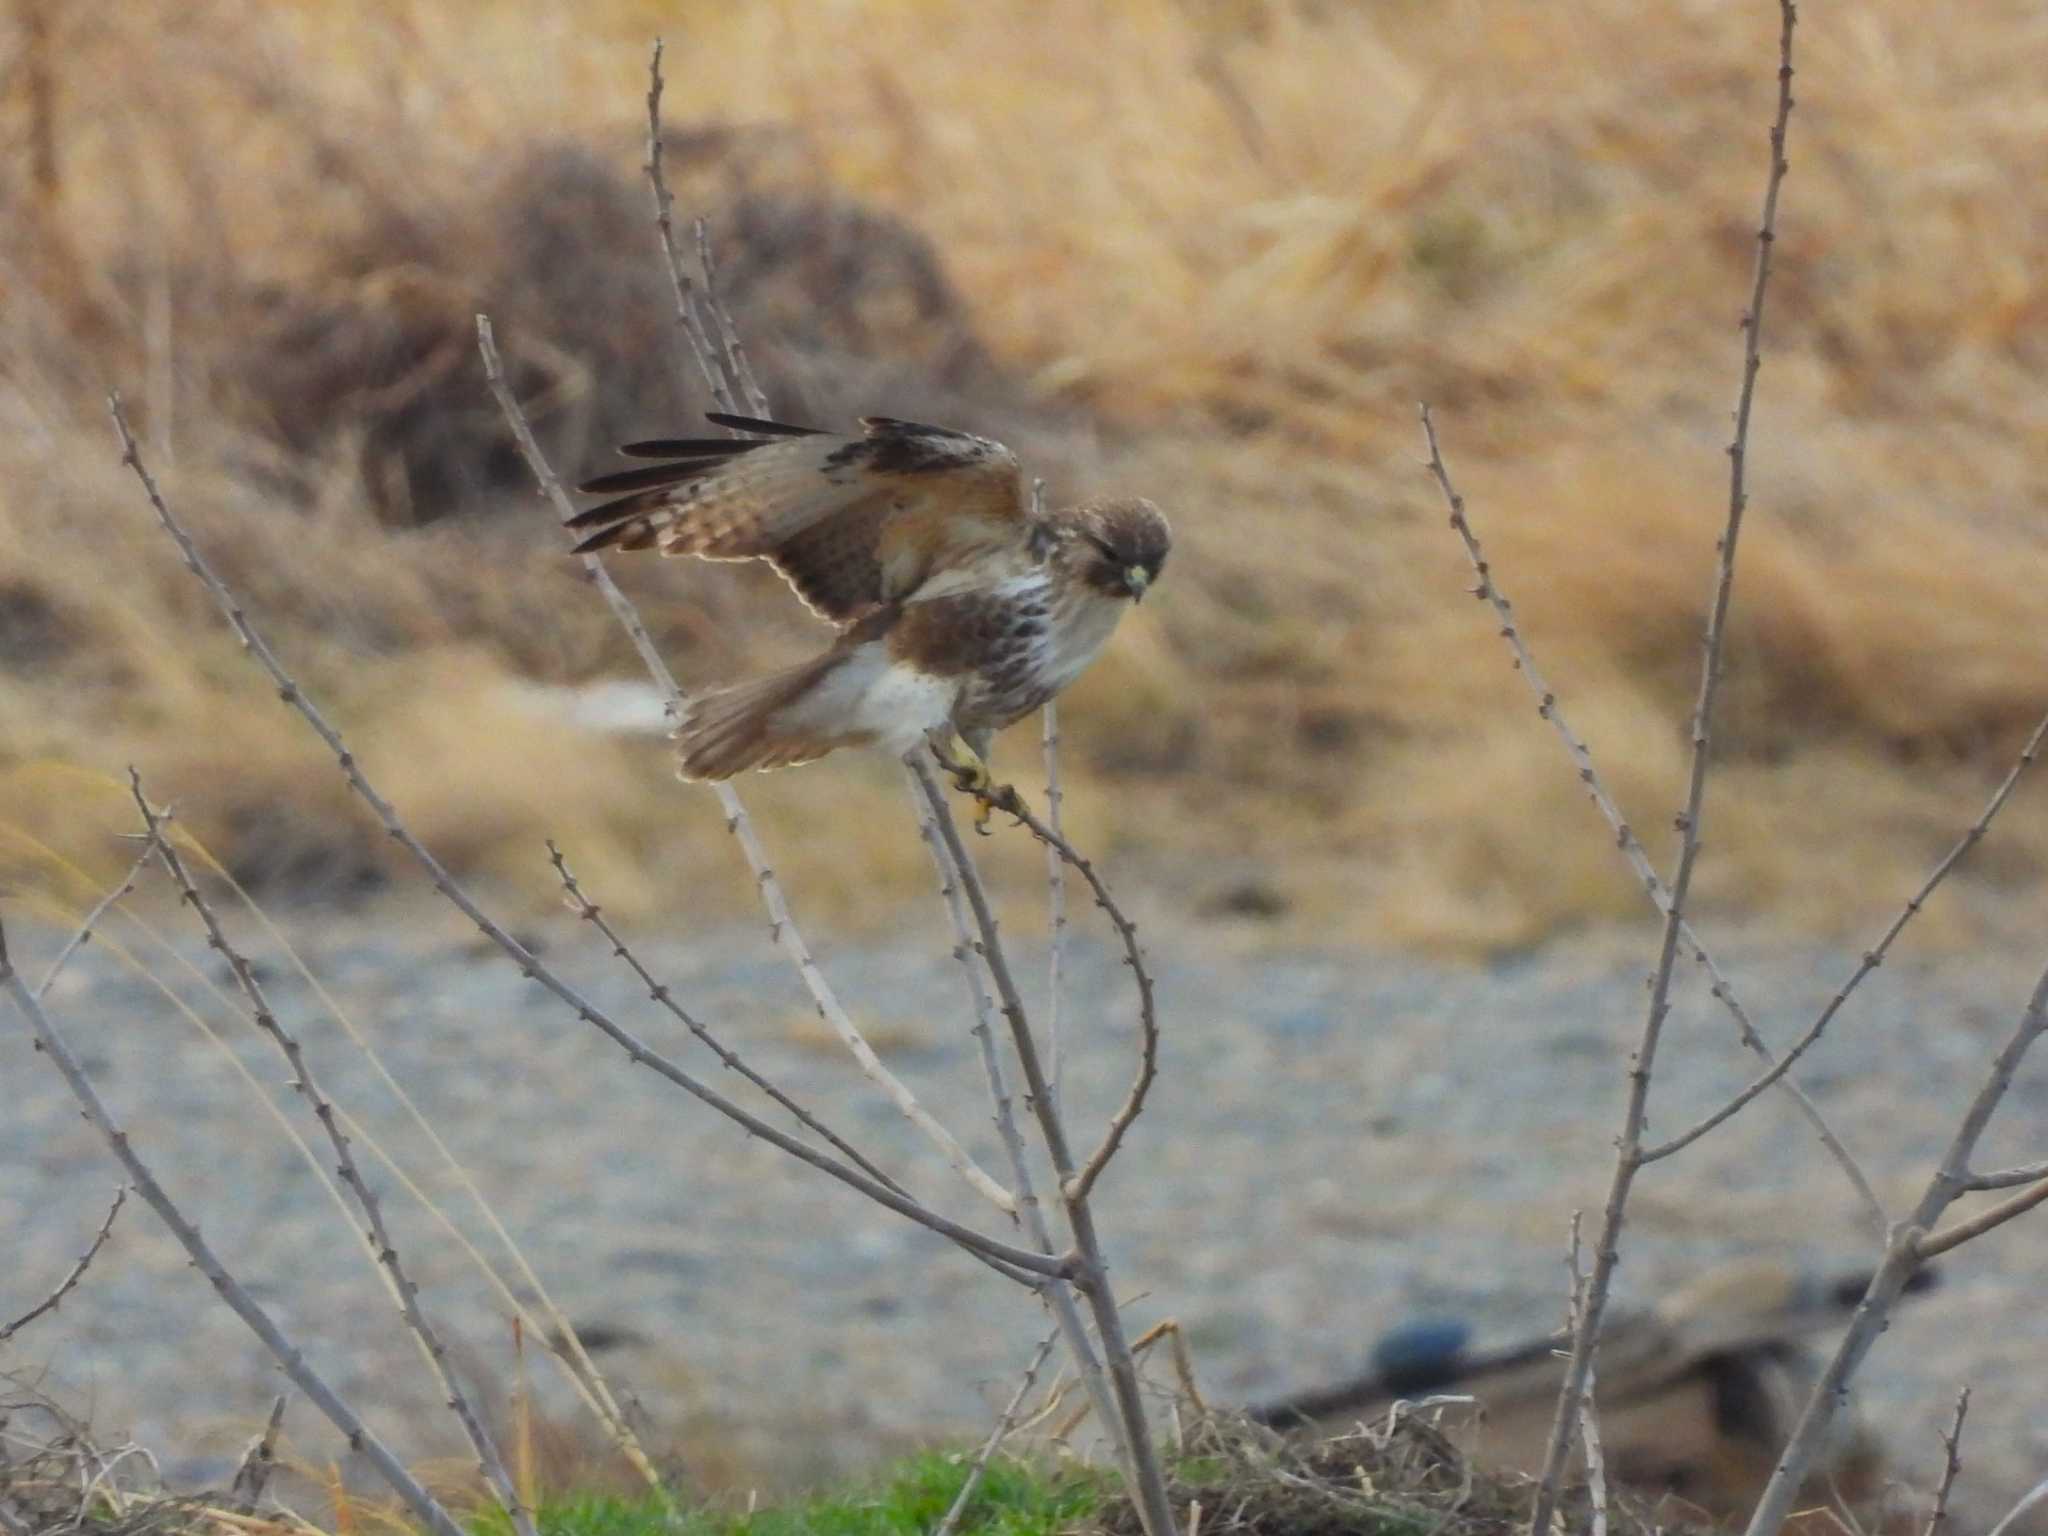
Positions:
{"x": 849, "y": 521}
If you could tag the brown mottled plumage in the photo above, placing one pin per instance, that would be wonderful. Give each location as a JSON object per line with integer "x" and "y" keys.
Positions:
{"x": 959, "y": 611}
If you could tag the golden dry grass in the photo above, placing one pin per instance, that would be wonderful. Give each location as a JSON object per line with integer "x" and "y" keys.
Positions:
{"x": 1244, "y": 238}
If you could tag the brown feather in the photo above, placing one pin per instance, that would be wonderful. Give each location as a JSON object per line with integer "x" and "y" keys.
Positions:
{"x": 729, "y": 730}
{"x": 850, "y": 522}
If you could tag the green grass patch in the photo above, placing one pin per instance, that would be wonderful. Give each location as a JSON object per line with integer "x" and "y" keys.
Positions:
{"x": 906, "y": 1498}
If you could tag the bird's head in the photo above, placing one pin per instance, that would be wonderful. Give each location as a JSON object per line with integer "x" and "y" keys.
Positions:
{"x": 1119, "y": 547}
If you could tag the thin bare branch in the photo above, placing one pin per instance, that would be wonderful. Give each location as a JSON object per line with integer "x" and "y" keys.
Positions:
{"x": 1872, "y": 959}
{"x": 731, "y": 1060}
{"x": 719, "y": 324}
{"x": 781, "y": 925}
{"x": 1010, "y": 803}
{"x": 2031, "y": 1500}
{"x": 1951, "y": 1465}
{"x": 1589, "y": 1418}
{"x": 1055, "y": 869}
{"x": 530, "y": 964}
{"x": 1936, "y": 1244}
{"x": 1628, "y": 1156}
{"x": 1088, "y": 1272}
{"x": 344, "y": 1418}
{"x": 1055, "y": 902}
{"x": 252, "y": 1476}
{"x": 557, "y": 1335}
{"x": 2008, "y": 1178}
{"x": 1004, "y": 1425}
{"x": 1910, "y": 1247}
{"x": 972, "y": 953}
{"x": 51, "y": 1302}
{"x": 928, "y": 803}
{"x": 82, "y": 935}
{"x": 1631, "y": 846}
{"x": 664, "y": 223}
{"x": 375, "y": 1234}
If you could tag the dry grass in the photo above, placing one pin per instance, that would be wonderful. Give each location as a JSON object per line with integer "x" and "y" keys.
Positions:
{"x": 1213, "y": 250}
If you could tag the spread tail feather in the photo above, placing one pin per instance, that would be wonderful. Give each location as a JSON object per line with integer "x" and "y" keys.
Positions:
{"x": 729, "y": 730}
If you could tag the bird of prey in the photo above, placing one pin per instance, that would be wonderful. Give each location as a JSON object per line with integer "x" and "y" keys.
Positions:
{"x": 959, "y": 609}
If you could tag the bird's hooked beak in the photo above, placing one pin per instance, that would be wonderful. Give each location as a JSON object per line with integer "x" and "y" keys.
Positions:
{"x": 1136, "y": 580}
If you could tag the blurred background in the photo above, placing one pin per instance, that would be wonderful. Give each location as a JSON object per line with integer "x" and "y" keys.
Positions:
{"x": 1212, "y": 252}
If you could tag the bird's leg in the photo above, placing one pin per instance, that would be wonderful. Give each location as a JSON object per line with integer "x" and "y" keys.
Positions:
{"x": 971, "y": 775}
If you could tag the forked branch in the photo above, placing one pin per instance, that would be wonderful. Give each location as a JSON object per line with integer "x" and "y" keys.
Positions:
{"x": 1089, "y": 1273}
{"x": 360, "y": 1438}
{"x": 1909, "y": 1248}
{"x": 375, "y": 1234}
{"x": 1488, "y": 589}
{"x": 1628, "y": 1157}
{"x": 1082, "y": 1180}
{"x": 51, "y": 1302}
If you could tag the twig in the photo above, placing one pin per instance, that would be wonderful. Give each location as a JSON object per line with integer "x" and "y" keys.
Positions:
{"x": 1908, "y": 1249}
{"x": 258, "y": 1462}
{"x": 1055, "y": 902}
{"x": 1628, "y": 1158}
{"x": 590, "y": 1384}
{"x": 2029, "y": 1500}
{"x": 1872, "y": 959}
{"x": 930, "y": 805}
{"x": 359, "y": 1436}
{"x": 1936, "y": 1244}
{"x": 2009, "y": 1178}
{"x": 529, "y": 963}
{"x": 65, "y": 1286}
{"x": 1589, "y": 1419}
{"x": 664, "y": 223}
{"x": 1089, "y": 1273}
{"x": 82, "y": 935}
{"x": 375, "y": 1234}
{"x": 1004, "y": 1424}
{"x": 562, "y": 1340}
{"x": 719, "y": 324}
{"x": 559, "y": 1338}
{"x": 1010, "y": 803}
{"x": 662, "y": 993}
{"x": 1055, "y": 869}
{"x": 1631, "y": 846}
{"x": 1952, "y": 1463}
{"x": 1169, "y": 1328}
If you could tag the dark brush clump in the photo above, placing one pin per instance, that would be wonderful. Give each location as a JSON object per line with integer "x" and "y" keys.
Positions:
{"x": 842, "y": 307}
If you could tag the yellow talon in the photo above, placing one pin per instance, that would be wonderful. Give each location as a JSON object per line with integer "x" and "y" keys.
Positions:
{"x": 971, "y": 776}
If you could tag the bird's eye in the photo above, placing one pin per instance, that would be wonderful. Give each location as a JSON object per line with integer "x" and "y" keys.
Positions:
{"x": 1102, "y": 548}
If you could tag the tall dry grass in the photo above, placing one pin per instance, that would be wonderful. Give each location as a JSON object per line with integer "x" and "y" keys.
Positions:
{"x": 1210, "y": 251}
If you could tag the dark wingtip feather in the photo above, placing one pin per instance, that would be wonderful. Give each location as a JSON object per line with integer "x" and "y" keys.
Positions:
{"x": 756, "y": 424}
{"x": 652, "y": 477}
{"x": 685, "y": 448}
{"x": 627, "y": 534}
{"x": 618, "y": 510}
{"x": 604, "y": 538}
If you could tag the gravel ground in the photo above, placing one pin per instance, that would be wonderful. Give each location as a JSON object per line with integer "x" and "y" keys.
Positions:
{"x": 1336, "y": 1142}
